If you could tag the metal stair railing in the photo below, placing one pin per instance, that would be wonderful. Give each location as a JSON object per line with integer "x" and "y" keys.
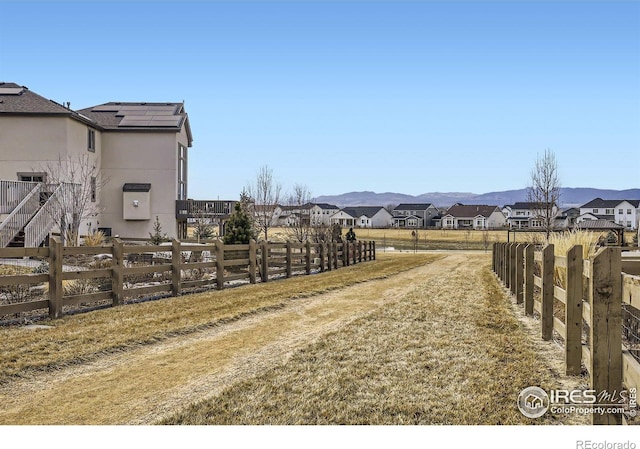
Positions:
{"x": 14, "y": 223}
{"x": 48, "y": 216}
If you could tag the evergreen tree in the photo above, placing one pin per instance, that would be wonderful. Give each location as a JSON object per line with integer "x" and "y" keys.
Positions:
{"x": 239, "y": 228}
{"x": 157, "y": 236}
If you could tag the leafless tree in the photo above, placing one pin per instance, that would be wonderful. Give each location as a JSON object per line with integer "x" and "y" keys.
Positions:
{"x": 544, "y": 191}
{"x": 265, "y": 198}
{"x": 79, "y": 182}
{"x": 300, "y": 208}
{"x": 390, "y": 207}
{"x": 486, "y": 239}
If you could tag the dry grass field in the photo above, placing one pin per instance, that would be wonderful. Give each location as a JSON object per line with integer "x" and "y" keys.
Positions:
{"x": 407, "y": 339}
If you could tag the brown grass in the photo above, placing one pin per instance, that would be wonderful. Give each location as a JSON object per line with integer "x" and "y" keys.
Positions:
{"x": 450, "y": 351}
{"x": 79, "y": 338}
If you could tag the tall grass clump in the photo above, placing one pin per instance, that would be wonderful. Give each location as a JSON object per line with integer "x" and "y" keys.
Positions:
{"x": 94, "y": 239}
{"x": 563, "y": 242}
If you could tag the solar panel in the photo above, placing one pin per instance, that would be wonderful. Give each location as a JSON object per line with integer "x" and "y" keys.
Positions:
{"x": 11, "y": 90}
{"x": 144, "y": 115}
{"x": 150, "y": 121}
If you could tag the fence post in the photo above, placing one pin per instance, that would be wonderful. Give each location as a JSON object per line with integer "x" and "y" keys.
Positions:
{"x": 512, "y": 268}
{"x": 519, "y": 287}
{"x": 345, "y": 253}
{"x": 323, "y": 253}
{"x": 605, "y": 334}
{"x": 220, "y": 265}
{"x": 253, "y": 250}
{"x": 507, "y": 260}
{"x": 573, "y": 312}
{"x": 308, "y": 258}
{"x": 374, "y": 249}
{"x": 359, "y": 251}
{"x": 503, "y": 262}
{"x": 493, "y": 257}
{"x": 117, "y": 273}
{"x": 176, "y": 269}
{"x": 55, "y": 278}
{"x": 265, "y": 262}
{"x": 546, "y": 317}
{"x": 288, "y": 260}
{"x": 355, "y": 252}
{"x": 335, "y": 255}
{"x": 329, "y": 256}
{"x": 528, "y": 279}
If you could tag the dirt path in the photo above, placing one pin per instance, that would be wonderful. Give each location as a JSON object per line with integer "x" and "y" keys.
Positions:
{"x": 148, "y": 383}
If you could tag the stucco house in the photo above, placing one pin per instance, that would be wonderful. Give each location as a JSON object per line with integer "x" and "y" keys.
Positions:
{"x": 320, "y": 213}
{"x": 140, "y": 150}
{"x": 363, "y": 217}
{"x": 424, "y": 213}
{"x": 525, "y": 215}
{"x": 622, "y": 212}
{"x": 460, "y": 216}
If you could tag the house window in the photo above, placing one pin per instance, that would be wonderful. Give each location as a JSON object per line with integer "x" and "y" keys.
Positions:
{"x": 93, "y": 189}
{"x": 32, "y": 177}
{"x": 620, "y": 211}
{"x": 609, "y": 212}
{"x": 91, "y": 140}
{"x": 595, "y": 211}
{"x": 629, "y": 211}
{"x": 182, "y": 172}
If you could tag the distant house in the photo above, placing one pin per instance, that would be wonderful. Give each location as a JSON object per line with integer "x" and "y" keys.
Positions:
{"x": 460, "y": 216}
{"x": 292, "y": 215}
{"x": 622, "y": 212}
{"x": 566, "y": 219}
{"x": 525, "y": 215}
{"x": 320, "y": 213}
{"x": 407, "y": 221}
{"x": 415, "y": 215}
{"x": 363, "y": 217}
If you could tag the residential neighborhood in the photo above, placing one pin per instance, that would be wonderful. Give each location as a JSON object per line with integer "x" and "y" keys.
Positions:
{"x": 46, "y": 145}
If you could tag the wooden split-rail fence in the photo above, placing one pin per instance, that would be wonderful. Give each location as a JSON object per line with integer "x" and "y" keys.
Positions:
{"x": 169, "y": 266}
{"x": 581, "y": 300}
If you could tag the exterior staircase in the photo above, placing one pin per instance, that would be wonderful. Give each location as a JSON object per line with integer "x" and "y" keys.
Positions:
{"x": 27, "y": 208}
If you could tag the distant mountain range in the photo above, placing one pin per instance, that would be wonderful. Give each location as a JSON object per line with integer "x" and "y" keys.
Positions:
{"x": 569, "y": 197}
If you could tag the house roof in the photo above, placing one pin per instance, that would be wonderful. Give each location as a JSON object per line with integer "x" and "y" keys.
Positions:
{"x": 19, "y": 100}
{"x": 325, "y": 205}
{"x": 413, "y": 206}
{"x": 470, "y": 211}
{"x": 359, "y": 211}
{"x": 522, "y": 205}
{"x": 600, "y": 203}
{"x": 140, "y": 116}
{"x": 598, "y": 224}
{"x": 406, "y": 217}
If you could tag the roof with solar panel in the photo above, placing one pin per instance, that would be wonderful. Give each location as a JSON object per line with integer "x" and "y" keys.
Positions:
{"x": 113, "y": 116}
{"x": 137, "y": 115}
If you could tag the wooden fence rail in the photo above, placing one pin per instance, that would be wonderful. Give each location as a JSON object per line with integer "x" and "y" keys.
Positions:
{"x": 570, "y": 295}
{"x": 169, "y": 264}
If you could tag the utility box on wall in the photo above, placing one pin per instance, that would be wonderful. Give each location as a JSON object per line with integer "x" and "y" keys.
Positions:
{"x": 136, "y": 201}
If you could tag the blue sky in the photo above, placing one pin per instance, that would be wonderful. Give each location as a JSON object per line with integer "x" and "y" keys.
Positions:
{"x": 402, "y": 96}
